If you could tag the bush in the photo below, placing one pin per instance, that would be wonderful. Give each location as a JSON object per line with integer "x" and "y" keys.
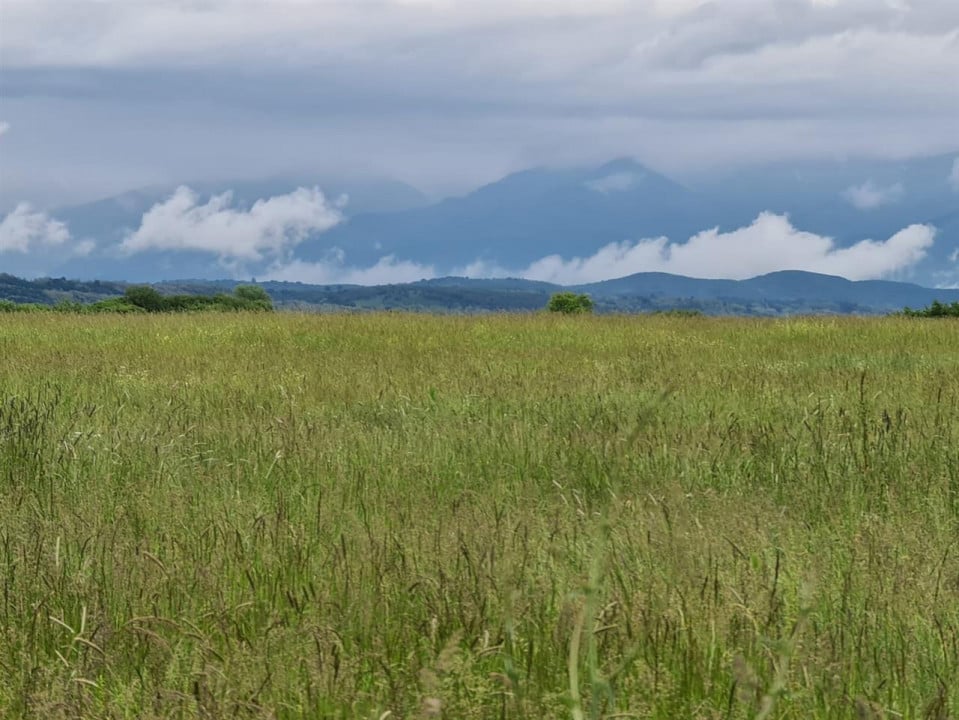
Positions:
{"x": 252, "y": 293}
{"x": 570, "y": 303}
{"x": 146, "y": 297}
{"x": 113, "y": 305}
{"x": 936, "y": 310}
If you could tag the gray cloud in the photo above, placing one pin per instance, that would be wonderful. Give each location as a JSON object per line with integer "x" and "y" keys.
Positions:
{"x": 954, "y": 175}
{"x": 448, "y": 93}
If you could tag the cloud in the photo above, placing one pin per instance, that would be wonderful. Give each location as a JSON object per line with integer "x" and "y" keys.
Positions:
{"x": 387, "y": 270}
{"x": 24, "y": 230}
{"x": 870, "y": 196}
{"x": 769, "y": 244}
{"x": 615, "y": 182}
{"x": 4, "y": 128}
{"x": 435, "y": 90}
{"x": 269, "y": 229}
{"x": 954, "y": 175}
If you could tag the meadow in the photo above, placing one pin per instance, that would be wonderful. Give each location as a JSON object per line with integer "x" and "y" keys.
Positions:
{"x": 524, "y": 517}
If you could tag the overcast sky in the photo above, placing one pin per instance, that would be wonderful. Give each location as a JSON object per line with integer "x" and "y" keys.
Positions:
{"x": 97, "y": 97}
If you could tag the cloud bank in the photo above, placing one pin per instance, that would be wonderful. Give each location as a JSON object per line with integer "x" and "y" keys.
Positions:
{"x": 870, "y": 196}
{"x": 449, "y": 94}
{"x": 269, "y": 229}
{"x": 769, "y": 244}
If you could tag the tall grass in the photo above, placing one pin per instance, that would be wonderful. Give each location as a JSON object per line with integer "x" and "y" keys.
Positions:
{"x": 398, "y": 516}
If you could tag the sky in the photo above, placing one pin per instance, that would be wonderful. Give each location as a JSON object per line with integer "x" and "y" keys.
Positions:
{"x": 98, "y": 96}
{"x": 101, "y": 96}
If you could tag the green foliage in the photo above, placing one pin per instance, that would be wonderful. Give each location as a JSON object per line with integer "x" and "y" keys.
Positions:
{"x": 112, "y": 305}
{"x": 394, "y": 516}
{"x": 6, "y": 306}
{"x": 143, "y": 298}
{"x": 146, "y": 298}
{"x": 935, "y": 310}
{"x": 570, "y": 303}
{"x": 251, "y": 293}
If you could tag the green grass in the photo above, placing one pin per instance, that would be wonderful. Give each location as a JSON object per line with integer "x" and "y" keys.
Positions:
{"x": 393, "y": 516}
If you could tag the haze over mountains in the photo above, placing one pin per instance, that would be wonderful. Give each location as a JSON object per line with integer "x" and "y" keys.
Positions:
{"x": 859, "y": 219}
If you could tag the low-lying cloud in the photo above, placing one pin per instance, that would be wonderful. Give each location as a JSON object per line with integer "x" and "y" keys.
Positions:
{"x": 269, "y": 229}
{"x": 268, "y": 232}
{"x": 769, "y": 244}
{"x": 24, "y": 230}
{"x": 387, "y": 270}
{"x": 870, "y": 196}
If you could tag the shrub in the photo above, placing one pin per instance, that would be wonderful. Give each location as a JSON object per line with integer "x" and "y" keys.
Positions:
{"x": 936, "y": 310}
{"x": 252, "y": 293}
{"x": 146, "y": 297}
{"x": 114, "y": 305}
{"x": 570, "y": 303}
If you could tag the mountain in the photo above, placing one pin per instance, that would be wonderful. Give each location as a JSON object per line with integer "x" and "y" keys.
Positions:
{"x": 782, "y": 293}
{"x": 575, "y": 212}
{"x": 528, "y": 215}
{"x": 521, "y": 218}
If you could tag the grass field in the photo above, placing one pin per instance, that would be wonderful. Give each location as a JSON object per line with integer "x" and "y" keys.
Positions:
{"x": 396, "y": 516}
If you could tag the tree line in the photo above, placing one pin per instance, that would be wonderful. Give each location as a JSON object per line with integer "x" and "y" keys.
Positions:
{"x": 146, "y": 299}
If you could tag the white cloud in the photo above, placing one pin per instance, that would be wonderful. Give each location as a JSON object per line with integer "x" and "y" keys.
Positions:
{"x": 615, "y": 182}
{"x": 267, "y": 230}
{"x": 24, "y": 230}
{"x": 954, "y": 175}
{"x": 769, "y": 244}
{"x": 870, "y": 196}
{"x": 387, "y": 270}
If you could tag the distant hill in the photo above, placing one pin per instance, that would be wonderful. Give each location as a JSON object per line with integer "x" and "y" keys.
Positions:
{"x": 786, "y": 286}
{"x": 781, "y": 293}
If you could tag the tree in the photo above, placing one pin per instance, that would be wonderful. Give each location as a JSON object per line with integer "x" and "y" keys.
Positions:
{"x": 252, "y": 293}
{"x": 253, "y": 297}
{"x": 570, "y": 303}
{"x": 146, "y": 297}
